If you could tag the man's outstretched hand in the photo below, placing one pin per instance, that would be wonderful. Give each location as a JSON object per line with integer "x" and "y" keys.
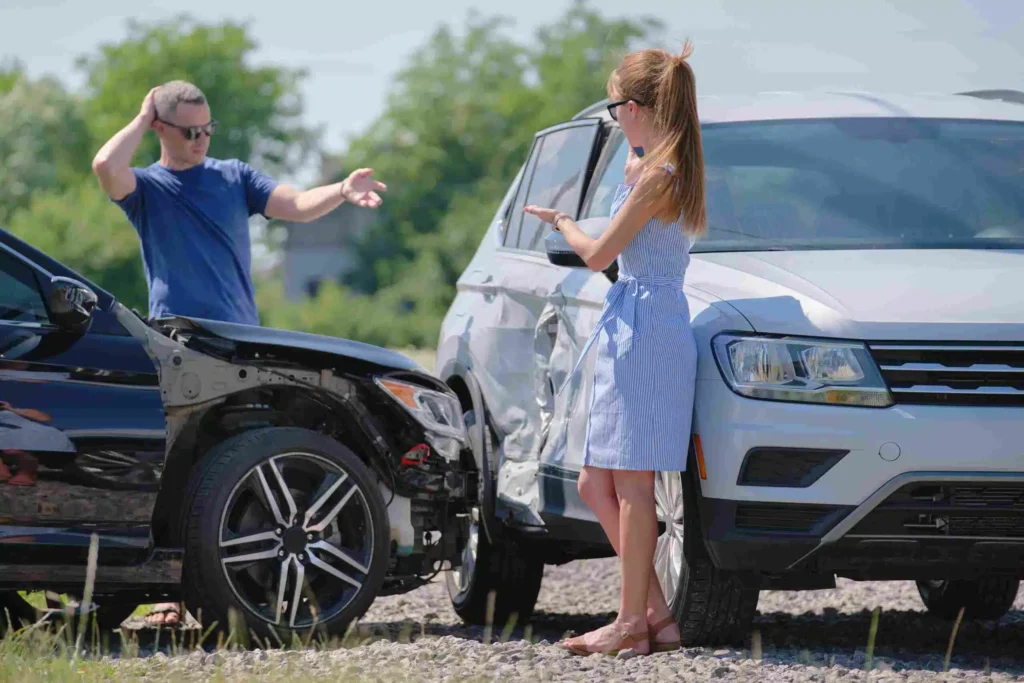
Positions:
{"x": 361, "y": 189}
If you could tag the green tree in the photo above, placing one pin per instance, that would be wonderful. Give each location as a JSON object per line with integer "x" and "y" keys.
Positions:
{"x": 11, "y": 71}
{"x": 456, "y": 128}
{"x": 87, "y": 232}
{"x": 258, "y": 108}
{"x": 44, "y": 142}
{"x": 48, "y": 137}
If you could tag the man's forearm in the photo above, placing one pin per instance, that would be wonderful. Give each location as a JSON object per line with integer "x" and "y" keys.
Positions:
{"x": 118, "y": 151}
{"x": 318, "y": 201}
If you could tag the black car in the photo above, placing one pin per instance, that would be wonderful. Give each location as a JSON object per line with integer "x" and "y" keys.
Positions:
{"x": 288, "y": 476}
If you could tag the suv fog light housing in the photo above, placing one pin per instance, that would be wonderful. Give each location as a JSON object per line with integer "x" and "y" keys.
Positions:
{"x": 801, "y": 370}
{"x": 439, "y": 413}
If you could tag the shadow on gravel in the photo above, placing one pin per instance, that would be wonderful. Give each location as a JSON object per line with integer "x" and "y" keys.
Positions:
{"x": 905, "y": 639}
{"x": 902, "y": 635}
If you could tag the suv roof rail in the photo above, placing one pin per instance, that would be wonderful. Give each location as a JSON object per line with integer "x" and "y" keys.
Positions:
{"x": 588, "y": 112}
{"x": 1005, "y": 95}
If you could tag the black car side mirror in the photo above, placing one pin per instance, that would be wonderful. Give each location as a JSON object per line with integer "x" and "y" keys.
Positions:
{"x": 561, "y": 254}
{"x": 71, "y": 303}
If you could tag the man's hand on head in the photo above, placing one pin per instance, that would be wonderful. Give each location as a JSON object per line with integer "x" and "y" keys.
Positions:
{"x": 147, "y": 112}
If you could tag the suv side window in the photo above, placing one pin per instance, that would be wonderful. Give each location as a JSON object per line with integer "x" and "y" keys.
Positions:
{"x": 612, "y": 175}
{"x": 20, "y": 298}
{"x": 515, "y": 212}
{"x": 557, "y": 180}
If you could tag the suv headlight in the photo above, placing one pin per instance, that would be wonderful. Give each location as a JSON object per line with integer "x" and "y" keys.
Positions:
{"x": 799, "y": 370}
{"x": 439, "y": 413}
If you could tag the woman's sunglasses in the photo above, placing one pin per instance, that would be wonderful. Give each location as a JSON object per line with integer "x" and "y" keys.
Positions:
{"x": 615, "y": 105}
{"x": 193, "y": 132}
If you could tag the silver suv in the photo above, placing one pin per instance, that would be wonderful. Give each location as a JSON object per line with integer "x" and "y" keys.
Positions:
{"x": 860, "y": 391}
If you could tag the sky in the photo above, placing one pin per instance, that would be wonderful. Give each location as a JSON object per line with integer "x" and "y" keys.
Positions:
{"x": 352, "y": 49}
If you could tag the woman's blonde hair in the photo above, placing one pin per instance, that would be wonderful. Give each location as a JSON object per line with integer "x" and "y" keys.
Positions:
{"x": 665, "y": 83}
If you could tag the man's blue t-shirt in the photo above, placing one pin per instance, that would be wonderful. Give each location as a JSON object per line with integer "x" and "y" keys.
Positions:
{"x": 194, "y": 229}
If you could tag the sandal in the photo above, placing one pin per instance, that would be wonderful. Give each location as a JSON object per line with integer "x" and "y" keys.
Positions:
{"x": 28, "y": 466}
{"x": 22, "y": 478}
{"x": 630, "y": 641}
{"x": 667, "y": 646}
{"x": 158, "y": 615}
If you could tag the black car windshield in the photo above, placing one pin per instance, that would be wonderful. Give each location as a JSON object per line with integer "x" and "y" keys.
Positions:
{"x": 859, "y": 183}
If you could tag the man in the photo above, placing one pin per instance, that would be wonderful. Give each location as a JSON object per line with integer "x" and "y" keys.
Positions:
{"x": 192, "y": 211}
{"x": 192, "y": 215}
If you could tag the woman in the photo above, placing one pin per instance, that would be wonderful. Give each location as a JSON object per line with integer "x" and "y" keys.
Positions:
{"x": 645, "y": 368}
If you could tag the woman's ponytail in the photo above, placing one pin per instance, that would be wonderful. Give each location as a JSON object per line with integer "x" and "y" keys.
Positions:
{"x": 675, "y": 114}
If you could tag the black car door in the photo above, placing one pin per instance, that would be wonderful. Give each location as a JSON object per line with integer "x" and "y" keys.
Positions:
{"x": 82, "y": 429}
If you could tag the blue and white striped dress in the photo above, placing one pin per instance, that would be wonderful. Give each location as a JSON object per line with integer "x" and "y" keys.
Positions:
{"x": 646, "y": 365}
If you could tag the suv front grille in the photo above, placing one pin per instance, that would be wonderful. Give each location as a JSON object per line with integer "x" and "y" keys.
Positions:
{"x": 954, "y": 374}
{"x": 963, "y": 509}
{"x": 783, "y": 516}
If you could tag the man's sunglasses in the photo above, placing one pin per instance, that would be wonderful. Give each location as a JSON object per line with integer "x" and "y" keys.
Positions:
{"x": 193, "y": 132}
{"x": 615, "y": 105}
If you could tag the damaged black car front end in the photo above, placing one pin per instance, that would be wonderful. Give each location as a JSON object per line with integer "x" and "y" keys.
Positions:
{"x": 406, "y": 423}
{"x": 287, "y": 477}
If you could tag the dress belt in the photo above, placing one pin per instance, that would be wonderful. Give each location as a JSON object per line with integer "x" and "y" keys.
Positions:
{"x": 621, "y": 303}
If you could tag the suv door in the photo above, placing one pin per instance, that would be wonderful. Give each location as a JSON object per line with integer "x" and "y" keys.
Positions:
{"x": 582, "y": 298}
{"x": 554, "y": 176}
{"x": 82, "y": 429}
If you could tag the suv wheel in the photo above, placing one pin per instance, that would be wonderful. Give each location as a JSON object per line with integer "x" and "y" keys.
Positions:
{"x": 987, "y": 598}
{"x": 504, "y": 567}
{"x": 711, "y": 606}
{"x": 287, "y": 527}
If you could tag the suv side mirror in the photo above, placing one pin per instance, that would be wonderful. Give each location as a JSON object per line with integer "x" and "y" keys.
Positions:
{"x": 561, "y": 254}
{"x": 71, "y": 303}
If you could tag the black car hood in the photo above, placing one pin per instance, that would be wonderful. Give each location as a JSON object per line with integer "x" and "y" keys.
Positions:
{"x": 268, "y": 336}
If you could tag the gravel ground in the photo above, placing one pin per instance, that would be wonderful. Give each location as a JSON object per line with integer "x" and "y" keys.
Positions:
{"x": 807, "y": 636}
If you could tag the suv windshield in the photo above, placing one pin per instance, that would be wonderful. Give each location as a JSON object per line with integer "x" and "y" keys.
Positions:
{"x": 880, "y": 183}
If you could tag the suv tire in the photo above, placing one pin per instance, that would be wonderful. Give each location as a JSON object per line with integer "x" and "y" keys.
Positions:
{"x": 504, "y": 566}
{"x": 514, "y": 576}
{"x": 711, "y": 606}
{"x": 986, "y": 598}
{"x": 241, "y": 471}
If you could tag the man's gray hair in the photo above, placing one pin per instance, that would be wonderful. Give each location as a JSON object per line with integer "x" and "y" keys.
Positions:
{"x": 173, "y": 93}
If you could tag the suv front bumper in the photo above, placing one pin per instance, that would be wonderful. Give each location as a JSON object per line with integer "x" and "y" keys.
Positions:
{"x": 910, "y": 491}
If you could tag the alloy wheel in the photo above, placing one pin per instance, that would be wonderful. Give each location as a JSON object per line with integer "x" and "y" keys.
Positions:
{"x": 296, "y": 539}
{"x": 668, "y": 553}
{"x": 461, "y": 577}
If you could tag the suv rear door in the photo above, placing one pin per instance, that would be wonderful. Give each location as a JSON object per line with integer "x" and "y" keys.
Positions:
{"x": 83, "y": 412}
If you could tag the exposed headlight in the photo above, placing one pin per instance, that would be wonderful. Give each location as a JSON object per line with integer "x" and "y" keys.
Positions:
{"x": 804, "y": 371}
{"x": 439, "y": 413}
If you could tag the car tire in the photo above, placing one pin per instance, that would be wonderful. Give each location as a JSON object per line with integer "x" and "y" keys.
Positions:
{"x": 986, "y": 598}
{"x": 236, "y": 507}
{"x": 503, "y": 566}
{"x": 505, "y": 569}
{"x": 712, "y": 606}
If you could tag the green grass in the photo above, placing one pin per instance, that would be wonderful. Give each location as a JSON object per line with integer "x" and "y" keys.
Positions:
{"x": 425, "y": 357}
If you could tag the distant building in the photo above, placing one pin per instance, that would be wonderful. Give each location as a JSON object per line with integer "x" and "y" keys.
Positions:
{"x": 322, "y": 249}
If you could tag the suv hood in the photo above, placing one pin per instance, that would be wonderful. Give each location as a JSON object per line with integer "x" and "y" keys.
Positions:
{"x": 287, "y": 339}
{"x": 871, "y": 295}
